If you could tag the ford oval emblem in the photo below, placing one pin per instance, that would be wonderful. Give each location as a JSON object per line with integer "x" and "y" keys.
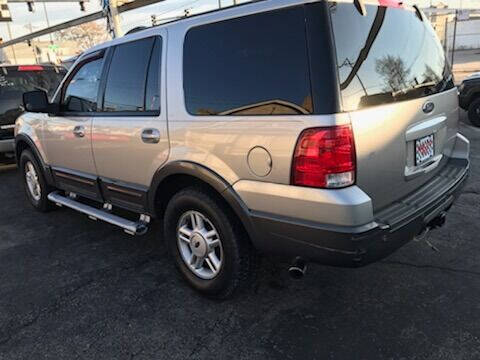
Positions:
{"x": 428, "y": 107}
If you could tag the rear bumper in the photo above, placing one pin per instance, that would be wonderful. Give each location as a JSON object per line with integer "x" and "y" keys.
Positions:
{"x": 357, "y": 246}
{"x": 7, "y": 145}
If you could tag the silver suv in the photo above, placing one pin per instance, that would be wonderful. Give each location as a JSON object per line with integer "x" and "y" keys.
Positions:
{"x": 319, "y": 131}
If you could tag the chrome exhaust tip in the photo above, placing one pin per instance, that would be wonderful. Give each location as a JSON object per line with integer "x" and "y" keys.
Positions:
{"x": 298, "y": 268}
{"x": 439, "y": 221}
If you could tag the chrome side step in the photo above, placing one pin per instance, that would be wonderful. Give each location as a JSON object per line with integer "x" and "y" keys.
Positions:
{"x": 130, "y": 227}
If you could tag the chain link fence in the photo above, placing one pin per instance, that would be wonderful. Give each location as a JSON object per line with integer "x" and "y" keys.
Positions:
{"x": 459, "y": 33}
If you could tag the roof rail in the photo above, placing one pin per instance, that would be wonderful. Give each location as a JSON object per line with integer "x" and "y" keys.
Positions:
{"x": 136, "y": 29}
{"x": 181, "y": 18}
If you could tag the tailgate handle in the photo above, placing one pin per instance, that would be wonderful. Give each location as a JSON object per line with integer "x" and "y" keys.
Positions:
{"x": 425, "y": 128}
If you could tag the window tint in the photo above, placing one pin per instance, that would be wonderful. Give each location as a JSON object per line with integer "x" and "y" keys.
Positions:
{"x": 127, "y": 76}
{"x": 255, "y": 65}
{"x": 387, "y": 56}
{"x": 82, "y": 91}
{"x": 152, "y": 95}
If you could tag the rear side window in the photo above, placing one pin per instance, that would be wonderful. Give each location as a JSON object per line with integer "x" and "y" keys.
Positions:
{"x": 254, "y": 65}
{"x": 82, "y": 91}
{"x": 127, "y": 77}
{"x": 387, "y": 56}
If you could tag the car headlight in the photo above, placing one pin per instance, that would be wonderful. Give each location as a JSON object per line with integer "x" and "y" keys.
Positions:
{"x": 461, "y": 87}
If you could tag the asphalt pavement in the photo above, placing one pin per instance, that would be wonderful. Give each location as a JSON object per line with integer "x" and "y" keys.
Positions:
{"x": 71, "y": 288}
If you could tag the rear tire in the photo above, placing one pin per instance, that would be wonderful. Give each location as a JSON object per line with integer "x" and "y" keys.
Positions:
{"x": 35, "y": 185}
{"x": 218, "y": 264}
{"x": 474, "y": 112}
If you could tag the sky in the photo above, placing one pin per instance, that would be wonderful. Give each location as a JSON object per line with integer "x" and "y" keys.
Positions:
{"x": 58, "y": 13}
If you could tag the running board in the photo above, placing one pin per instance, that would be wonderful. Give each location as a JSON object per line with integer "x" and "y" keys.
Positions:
{"x": 130, "y": 227}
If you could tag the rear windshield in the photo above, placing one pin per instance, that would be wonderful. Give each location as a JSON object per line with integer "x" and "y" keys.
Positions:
{"x": 387, "y": 56}
{"x": 15, "y": 82}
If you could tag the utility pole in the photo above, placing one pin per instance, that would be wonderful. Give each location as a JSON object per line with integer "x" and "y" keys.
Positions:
{"x": 48, "y": 21}
{"x": 13, "y": 46}
{"x": 445, "y": 37}
{"x": 48, "y": 25}
{"x": 110, "y": 11}
{"x": 31, "y": 43}
{"x": 115, "y": 17}
{"x": 454, "y": 36}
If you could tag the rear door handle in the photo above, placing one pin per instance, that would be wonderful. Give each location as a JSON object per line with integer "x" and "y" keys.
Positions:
{"x": 150, "y": 136}
{"x": 79, "y": 131}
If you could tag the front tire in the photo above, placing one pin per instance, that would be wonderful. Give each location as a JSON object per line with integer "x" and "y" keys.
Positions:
{"x": 36, "y": 186}
{"x": 474, "y": 112}
{"x": 207, "y": 243}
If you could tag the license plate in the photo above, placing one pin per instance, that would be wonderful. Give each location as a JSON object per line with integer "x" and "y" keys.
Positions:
{"x": 424, "y": 149}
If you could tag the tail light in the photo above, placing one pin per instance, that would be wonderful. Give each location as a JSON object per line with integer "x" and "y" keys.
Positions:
{"x": 325, "y": 158}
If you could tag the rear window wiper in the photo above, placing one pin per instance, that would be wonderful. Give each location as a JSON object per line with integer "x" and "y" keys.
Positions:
{"x": 360, "y": 5}
{"x": 418, "y": 12}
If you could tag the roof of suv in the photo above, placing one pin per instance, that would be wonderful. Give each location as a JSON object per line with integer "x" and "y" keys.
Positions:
{"x": 228, "y": 12}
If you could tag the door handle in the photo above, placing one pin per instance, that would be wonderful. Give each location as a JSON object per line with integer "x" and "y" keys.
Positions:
{"x": 150, "y": 136}
{"x": 79, "y": 131}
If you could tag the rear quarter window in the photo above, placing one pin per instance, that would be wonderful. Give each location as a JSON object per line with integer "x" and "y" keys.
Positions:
{"x": 387, "y": 56}
{"x": 253, "y": 65}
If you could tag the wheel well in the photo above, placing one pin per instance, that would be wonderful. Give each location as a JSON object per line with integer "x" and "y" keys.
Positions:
{"x": 20, "y": 146}
{"x": 175, "y": 183}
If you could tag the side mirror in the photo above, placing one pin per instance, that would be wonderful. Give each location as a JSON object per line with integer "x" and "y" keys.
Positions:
{"x": 36, "y": 101}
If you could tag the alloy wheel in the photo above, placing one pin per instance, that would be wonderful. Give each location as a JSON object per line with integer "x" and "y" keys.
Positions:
{"x": 200, "y": 245}
{"x": 32, "y": 180}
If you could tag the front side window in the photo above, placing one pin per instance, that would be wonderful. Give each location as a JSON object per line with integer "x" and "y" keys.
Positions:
{"x": 127, "y": 77}
{"x": 387, "y": 56}
{"x": 254, "y": 65}
{"x": 82, "y": 91}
